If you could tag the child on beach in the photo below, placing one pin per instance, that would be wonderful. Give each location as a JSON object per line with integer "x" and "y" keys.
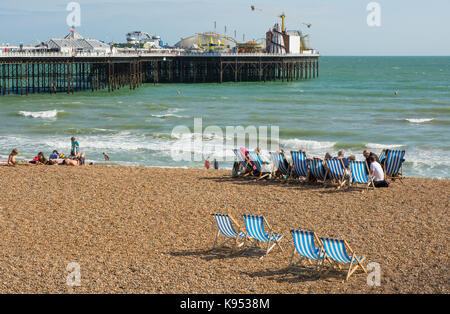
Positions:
{"x": 207, "y": 163}
{"x": 75, "y": 146}
{"x": 11, "y": 159}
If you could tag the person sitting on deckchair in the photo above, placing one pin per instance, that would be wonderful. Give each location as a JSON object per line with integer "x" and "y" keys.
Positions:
{"x": 12, "y": 157}
{"x": 368, "y": 154}
{"x": 377, "y": 171}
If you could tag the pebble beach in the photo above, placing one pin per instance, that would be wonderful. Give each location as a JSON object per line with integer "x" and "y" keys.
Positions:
{"x": 149, "y": 230}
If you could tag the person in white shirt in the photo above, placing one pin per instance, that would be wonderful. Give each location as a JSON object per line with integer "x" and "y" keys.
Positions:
{"x": 377, "y": 171}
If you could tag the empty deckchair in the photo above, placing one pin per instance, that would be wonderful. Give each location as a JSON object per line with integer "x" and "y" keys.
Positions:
{"x": 360, "y": 173}
{"x": 226, "y": 229}
{"x": 281, "y": 164}
{"x": 337, "y": 171}
{"x": 246, "y": 165}
{"x": 262, "y": 170}
{"x": 317, "y": 169}
{"x": 393, "y": 165}
{"x": 255, "y": 230}
{"x": 305, "y": 247}
{"x": 336, "y": 254}
{"x": 300, "y": 164}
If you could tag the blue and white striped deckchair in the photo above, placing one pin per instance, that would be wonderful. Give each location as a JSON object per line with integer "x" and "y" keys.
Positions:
{"x": 317, "y": 169}
{"x": 382, "y": 155}
{"x": 336, "y": 253}
{"x": 244, "y": 162}
{"x": 255, "y": 230}
{"x": 300, "y": 163}
{"x": 337, "y": 171}
{"x": 360, "y": 173}
{"x": 393, "y": 167}
{"x": 281, "y": 164}
{"x": 226, "y": 229}
{"x": 260, "y": 165}
{"x": 305, "y": 247}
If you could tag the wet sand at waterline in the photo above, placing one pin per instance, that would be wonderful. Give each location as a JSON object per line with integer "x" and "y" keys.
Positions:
{"x": 136, "y": 229}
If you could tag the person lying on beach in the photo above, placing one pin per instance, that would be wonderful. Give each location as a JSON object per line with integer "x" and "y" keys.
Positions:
{"x": 377, "y": 171}
{"x": 11, "y": 158}
{"x": 80, "y": 160}
{"x": 39, "y": 159}
{"x": 53, "y": 155}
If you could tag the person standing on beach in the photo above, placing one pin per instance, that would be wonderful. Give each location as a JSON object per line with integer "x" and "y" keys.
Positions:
{"x": 75, "y": 146}
{"x": 216, "y": 164}
{"x": 207, "y": 163}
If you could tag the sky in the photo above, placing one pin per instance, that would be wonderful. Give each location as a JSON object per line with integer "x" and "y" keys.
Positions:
{"x": 339, "y": 27}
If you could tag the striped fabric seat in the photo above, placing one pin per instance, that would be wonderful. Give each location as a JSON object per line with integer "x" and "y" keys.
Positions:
{"x": 304, "y": 244}
{"x": 382, "y": 155}
{"x": 261, "y": 169}
{"x": 394, "y": 161}
{"x": 335, "y": 168}
{"x": 300, "y": 163}
{"x": 280, "y": 163}
{"x": 255, "y": 230}
{"x": 336, "y": 250}
{"x": 243, "y": 161}
{"x": 259, "y": 164}
{"x": 337, "y": 171}
{"x": 317, "y": 169}
{"x": 225, "y": 227}
{"x": 359, "y": 171}
{"x": 238, "y": 154}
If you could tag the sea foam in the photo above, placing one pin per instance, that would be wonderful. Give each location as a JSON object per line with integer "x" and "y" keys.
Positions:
{"x": 49, "y": 114}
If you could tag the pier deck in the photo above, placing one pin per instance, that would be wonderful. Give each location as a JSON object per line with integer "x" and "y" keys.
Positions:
{"x": 24, "y": 73}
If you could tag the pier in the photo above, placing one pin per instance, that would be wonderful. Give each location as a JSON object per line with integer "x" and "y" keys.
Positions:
{"x": 57, "y": 72}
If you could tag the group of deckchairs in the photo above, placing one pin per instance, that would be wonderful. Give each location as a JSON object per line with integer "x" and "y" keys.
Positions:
{"x": 310, "y": 252}
{"x": 318, "y": 170}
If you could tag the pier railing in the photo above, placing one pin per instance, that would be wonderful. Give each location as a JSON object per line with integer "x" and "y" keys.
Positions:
{"x": 27, "y": 54}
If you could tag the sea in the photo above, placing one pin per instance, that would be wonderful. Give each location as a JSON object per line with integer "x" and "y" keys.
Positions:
{"x": 356, "y": 103}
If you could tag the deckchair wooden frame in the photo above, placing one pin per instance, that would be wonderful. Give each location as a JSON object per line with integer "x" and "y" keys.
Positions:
{"x": 350, "y": 270}
{"x": 269, "y": 247}
{"x": 236, "y": 245}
